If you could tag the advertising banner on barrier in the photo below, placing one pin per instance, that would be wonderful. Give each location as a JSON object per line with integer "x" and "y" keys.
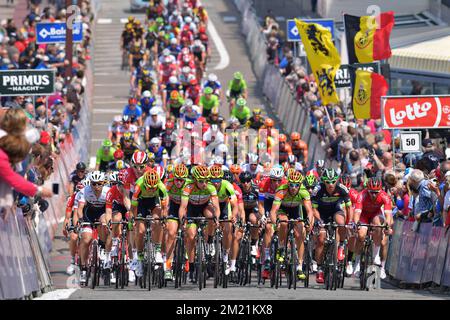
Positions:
{"x": 440, "y": 261}
{"x": 408, "y": 240}
{"x": 27, "y": 82}
{"x": 407, "y": 112}
{"x": 445, "y": 280}
{"x": 394, "y": 249}
{"x": 419, "y": 254}
{"x": 432, "y": 254}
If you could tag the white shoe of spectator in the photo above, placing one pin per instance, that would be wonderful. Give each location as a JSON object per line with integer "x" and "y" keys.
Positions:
{"x": 382, "y": 274}
{"x": 131, "y": 276}
{"x": 70, "y": 269}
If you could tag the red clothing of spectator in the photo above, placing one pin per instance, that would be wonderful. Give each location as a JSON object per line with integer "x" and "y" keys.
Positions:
{"x": 13, "y": 179}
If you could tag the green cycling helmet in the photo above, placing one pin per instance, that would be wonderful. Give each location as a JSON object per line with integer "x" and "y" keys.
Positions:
{"x": 329, "y": 175}
{"x": 310, "y": 180}
{"x": 106, "y": 143}
{"x": 237, "y": 75}
{"x": 208, "y": 90}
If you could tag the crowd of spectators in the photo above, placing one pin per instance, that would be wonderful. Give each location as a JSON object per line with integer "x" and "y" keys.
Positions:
{"x": 419, "y": 183}
{"x": 33, "y": 128}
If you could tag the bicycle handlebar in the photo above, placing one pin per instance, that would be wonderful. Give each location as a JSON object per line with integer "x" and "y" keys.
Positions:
{"x": 372, "y": 226}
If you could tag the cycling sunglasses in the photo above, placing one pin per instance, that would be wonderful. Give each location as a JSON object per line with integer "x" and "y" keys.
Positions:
{"x": 374, "y": 192}
{"x": 294, "y": 185}
{"x": 216, "y": 180}
{"x": 96, "y": 184}
{"x": 202, "y": 180}
{"x": 330, "y": 182}
{"x": 139, "y": 166}
{"x": 178, "y": 180}
{"x": 275, "y": 180}
{"x": 246, "y": 181}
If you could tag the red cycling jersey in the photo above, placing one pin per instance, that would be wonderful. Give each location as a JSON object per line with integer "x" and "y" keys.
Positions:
{"x": 130, "y": 178}
{"x": 238, "y": 191}
{"x": 266, "y": 189}
{"x": 370, "y": 209}
{"x": 113, "y": 196}
{"x": 70, "y": 203}
{"x": 353, "y": 196}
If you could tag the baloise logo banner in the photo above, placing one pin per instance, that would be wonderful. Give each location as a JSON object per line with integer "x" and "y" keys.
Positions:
{"x": 27, "y": 82}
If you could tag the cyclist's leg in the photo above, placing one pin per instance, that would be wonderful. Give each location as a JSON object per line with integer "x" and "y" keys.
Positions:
{"x": 208, "y": 212}
{"x": 339, "y": 218}
{"x": 254, "y": 218}
{"x": 269, "y": 230}
{"x": 226, "y": 226}
{"x": 237, "y": 236}
{"x": 85, "y": 240}
{"x": 157, "y": 233}
{"x": 172, "y": 227}
{"x": 282, "y": 227}
{"x": 191, "y": 232}
{"x": 326, "y": 217}
{"x": 377, "y": 238}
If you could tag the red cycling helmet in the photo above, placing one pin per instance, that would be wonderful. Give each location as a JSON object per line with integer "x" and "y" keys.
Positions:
{"x": 374, "y": 184}
{"x": 118, "y": 154}
{"x": 346, "y": 181}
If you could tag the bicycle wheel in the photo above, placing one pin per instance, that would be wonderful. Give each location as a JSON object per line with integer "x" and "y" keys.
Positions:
{"x": 293, "y": 264}
{"x": 178, "y": 264}
{"x": 199, "y": 262}
{"x": 242, "y": 266}
{"x": 364, "y": 265}
{"x": 94, "y": 265}
{"x": 307, "y": 261}
{"x": 248, "y": 273}
{"x": 217, "y": 260}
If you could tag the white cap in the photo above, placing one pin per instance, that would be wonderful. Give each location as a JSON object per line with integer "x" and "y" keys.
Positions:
{"x": 146, "y": 94}
{"x": 155, "y": 140}
{"x": 153, "y": 111}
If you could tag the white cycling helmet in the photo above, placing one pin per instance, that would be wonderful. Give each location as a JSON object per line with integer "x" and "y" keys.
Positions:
{"x": 212, "y": 77}
{"x": 222, "y": 148}
{"x": 276, "y": 172}
{"x": 146, "y": 94}
{"x": 186, "y": 69}
{"x": 155, "y": 140}
{"x": 97, "y": 176}
{"x": 292, "y": 158}
{"x": 252, "y": 158}
{"x": 188, "y": 19}
{"x": 173, "y": 41}
{"x": 86, "y": 182}
{"x": 166, "y": 52}
{"x": 188, "y": 103}
{"x": 173, "y": 80}
{"x": 113, "y": 176}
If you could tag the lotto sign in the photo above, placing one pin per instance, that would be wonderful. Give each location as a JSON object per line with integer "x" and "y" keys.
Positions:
{"x": 27, "y": 82}
{"x": 410, "y": 141}
{"x": 407, "y": 112}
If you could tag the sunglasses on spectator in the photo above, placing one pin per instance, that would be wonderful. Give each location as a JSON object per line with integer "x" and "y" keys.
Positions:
{"x": 216, "y": 180}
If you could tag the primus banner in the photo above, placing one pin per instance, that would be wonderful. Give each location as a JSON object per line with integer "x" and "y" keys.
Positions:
{"x": 415, "y": 112}
{"x": 27, "y": 82}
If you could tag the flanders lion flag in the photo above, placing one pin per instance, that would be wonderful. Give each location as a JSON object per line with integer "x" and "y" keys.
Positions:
{"x": 322, "y": 56}
{"x": 368, "y": 37}
{"x": 368, "y": 89}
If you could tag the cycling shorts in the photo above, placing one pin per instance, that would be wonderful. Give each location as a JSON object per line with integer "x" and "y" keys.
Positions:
{"x": 92, "y": 214}
{"x": 174, "y": 208}
{"x": 146, "y": 206}
{"x": 119, "y": 208}
{"x": 175, "y": 112}
{"x": 225, "y": 211}
{"x": 291, "y": 212}
{"x": 104, "y": 165}
{"x": 328, "y": 215}
{"x": 254, "y": 211}
{"x": 367, "y": 218}
{"x": 267, "y": 205}
{"x": 194, "y": 210}
{"x": 235, "y": 94}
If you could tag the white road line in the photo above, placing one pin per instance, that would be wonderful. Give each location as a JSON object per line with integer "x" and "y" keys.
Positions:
{"x": 123, "y": 20}
{"x": 108, "y": 111}
{"x": 57, "y": 294}
{"x": 92, "y": 159}
{"x": 229, "y": 19}
{"x": 104, "y": 21}
{"x": 224, "y": 56}
{"x": 112, "y": 85}
{"x": 111, "y": 102}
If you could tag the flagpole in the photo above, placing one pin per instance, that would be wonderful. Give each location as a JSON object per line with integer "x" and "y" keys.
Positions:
{"x": 329, "y": 119}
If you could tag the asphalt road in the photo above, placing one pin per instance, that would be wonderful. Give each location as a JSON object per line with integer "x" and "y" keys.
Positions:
{"x": 111, "y": 86}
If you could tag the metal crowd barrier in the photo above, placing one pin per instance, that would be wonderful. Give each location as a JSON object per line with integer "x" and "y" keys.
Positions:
{"x": 421, "y": 257}
{"x": 292, "y": 115}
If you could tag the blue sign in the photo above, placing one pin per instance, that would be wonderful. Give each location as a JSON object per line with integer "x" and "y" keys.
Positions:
{"x": 293, "y": 34}
{"x": 56, "y": 32}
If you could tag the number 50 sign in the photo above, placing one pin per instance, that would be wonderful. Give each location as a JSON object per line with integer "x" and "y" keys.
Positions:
{"x": 410, "y": 141}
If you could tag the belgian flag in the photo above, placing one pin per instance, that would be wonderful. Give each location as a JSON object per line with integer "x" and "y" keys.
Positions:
{"x": 368, "y": 37}
{"x": 368, "y": 89}
{"x": 322, "y": 56}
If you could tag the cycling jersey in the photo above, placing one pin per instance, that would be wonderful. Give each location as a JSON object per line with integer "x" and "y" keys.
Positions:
{"x": 146, "y": 83}
{"x": 329, "y": 204}
{"x": 239, "y": 86}
{"x": 242, "y": 115}
{"x": 174, "y": 196}
{"x": 353, "y": 193}
{"x": 196, "y": 196}
{"x": 147, "y": 105}
{"x": 267, "y": 192}
{"x": 104, "y": 159}
{"x": 128, "y": 151}
{"x": 75, "y": 179}
{"x": 371, "y": 208}
{"x": 114, "y": 196}
{"x": 208, "y": 104}
{"x": 140, "y": 192}
{"x": 284, "y": 153}
{"x": 255, "y": 124}
{"x": 69, "y": 204}
{"x": 94, "y": 206}
{"x": 226, "y": 192}
{"x": 160, "y": 154}
{"x": 250, "y": 199}
{"x": 284, "y": 198}
{"x": 238, "y": 192}
{"x": 133, "y": 113}
{"x": 215, "y": 85}
{"x": 78, "y": 196}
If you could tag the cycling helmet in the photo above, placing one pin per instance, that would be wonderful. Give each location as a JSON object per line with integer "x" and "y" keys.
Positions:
{"x": 216, "y": 172}
{"x": 86, "y": 182}
{"x": 132, "y": 101}
{"x": 256, "y": 111}
{"x": 241, "y": 102}
{"x": 286, "y": 167}
{"x": 329, "y": 175}
{"x": 160, "y": 171}
{"x": 237, "y": 75}
{"x": 345, "y": 180}
{"x": 212, "y": 77}
{"x": 181, "y": 171}
{"x": 126, "y": 118}
{"x": 120, "y": 164}
{"x": 151, "y": 178}
{"x": 186, "y": 69}
{"x": 122, "y": 177}
{"x": 294, "y": 176}
{"x": 292, "y": 158}
{"x": 235, "y": 169}
{"x": 106, "y": 143}
{"x": 139, "y": 157}
{"x": 320, "y": 164}
{"x": 374, "y": 184}
{"x": 81, "y": 166}
{"x": 113, "y": 176}
{"x": 310, "y": 180}
{"x": 245, "y": 177}
{"x": 97, "y": 176}
{"x": 282, "y": 138}
{"x": 276, "y": 172}
{"x": 170, "y": 124}
{"x": 200, "y": 172}
{"x": 208, "y": 90}
{"x": 268, "y": 123}
{"x": 146, "y": 94}
{"x": 173, "y": 80}
{"x": 174, "y": 95}
{"x": 252, "y": 158}
{"x": 295, "y": 136}
{"x": 127, "y": 136}
{"x": 118, "y": 154}
{"x": 227, "y": 175}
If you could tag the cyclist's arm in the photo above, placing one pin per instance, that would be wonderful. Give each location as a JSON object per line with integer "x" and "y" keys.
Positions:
{"x": 358, "y": 209}
{"x": 183, "y": 208}
{"x": 279, "y": 196}
{"x": 215, "y": 202}
{"x": 80, "y": 209}
{"x": 98, "y": 160}
{"x": 135, "y": 200}
{"x": 309, "y": 210}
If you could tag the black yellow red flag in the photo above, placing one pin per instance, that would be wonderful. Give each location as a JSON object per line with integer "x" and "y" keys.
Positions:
{"x": 368, "y": 89}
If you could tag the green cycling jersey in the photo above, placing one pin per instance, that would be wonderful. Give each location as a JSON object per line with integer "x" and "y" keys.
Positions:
{"x": 140, "y": 191}
{"x": 226, "y": 192}
{"x": 242, "y": 114}
{"x": 198, "y": 196}
{"x": 173, "y": 191}
{"x": 237, "y": 86}
{"x": 284, "y": 198}
{"x": 102, "y": 157}
{"x": 208, "y": 104}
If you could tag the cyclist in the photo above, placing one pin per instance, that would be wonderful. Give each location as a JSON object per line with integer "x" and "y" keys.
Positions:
{"x": 146, "y": 103}
{"x": 175, "y": 103}
{"x": 331, "y": 202}
{"x": 369, "y": 210}
{"x": 208, "y": 101}
{"x": 290, "y": 198}
{"x": 136, "y": 55}
{"x": 91, "y": 208}
{"x": 133, "y": 111}
{"x": 126, "y": 126}
{"x": 236, "y": 170}
{"x": 284, "y": 148}
{"x": 193, "y": 91}
{"x": 214, "y": 84}
{"x": 199, "y": 198}
{"x": 255, "y": 121}
{"x": 169, "y": 137}
{"x": 150, "y": 197}
{"x": 266, "y": 195}
{"x": 128, "y": 146}
{"x": 254, "y": 168}
{"x": 76, "y": 177}
{"x": 161, "y": 155}
{"x": 175, "y": 187}
{"x": 215, "y": 118}
{"x": 105, "y": 155}
{"x": 299, "y": 148}
{"x": 114, "y": 128}
{"x": 154, "y": 125}
{"x": 139, "y": 161}
{"x": 144, "y": 84}
{"x": 127, "y": 38}
{"x": 241, "y": 111}
{"x": 237, "y": 87}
